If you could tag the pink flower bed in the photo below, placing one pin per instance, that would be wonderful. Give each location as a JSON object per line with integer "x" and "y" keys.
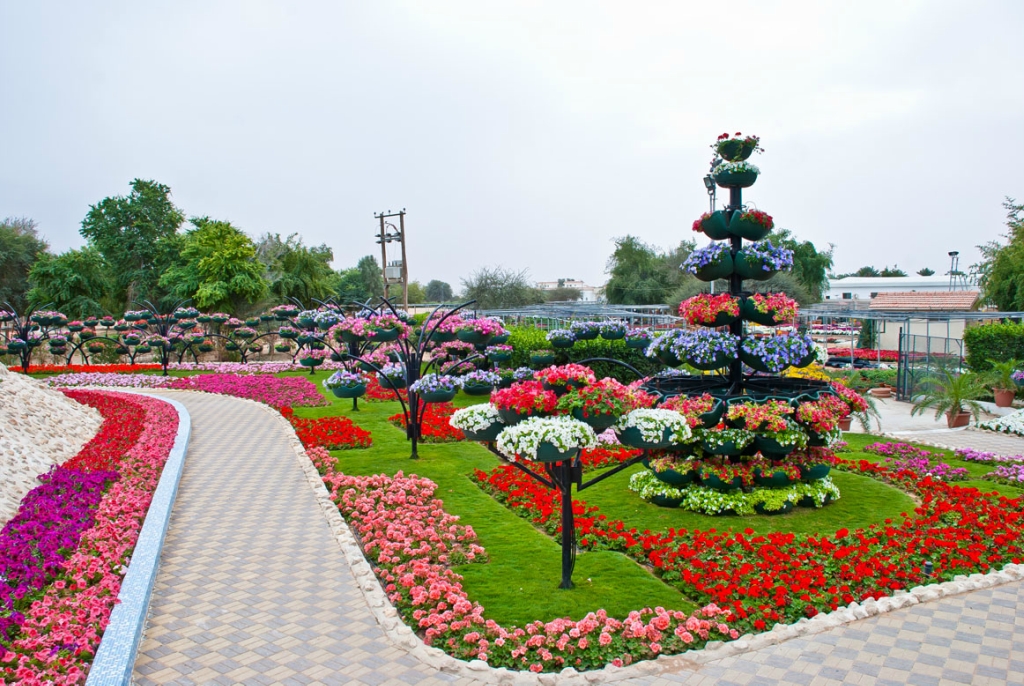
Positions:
{"x": 62, "y": 629}
{"x": 413, "y": 543}
{"x": 293, "y": 391}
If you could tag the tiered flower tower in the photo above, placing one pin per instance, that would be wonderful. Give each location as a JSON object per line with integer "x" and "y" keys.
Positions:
{"x": 760, "y": 440}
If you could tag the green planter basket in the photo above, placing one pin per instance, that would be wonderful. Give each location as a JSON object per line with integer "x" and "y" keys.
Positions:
{"x": 357, "y": 391}
{"x": 588, "y": 335}
{"x": 745, "y": 228}
{"x": 311, "y": 361}
{"x": 667, "y": 357}
{"x": 721, "y": 319}
{"x": 736, "y": 179}
{"x": 561, "y": 343}
{"x": 727, "y": 448}
{"x": 500, "y": 356}
{"x": 597, "y": 422}
{"x": 750, "y": 313}
{"x": 808, "y": 501}
{"x": 772, "y": 480}
{"x": 632, "y": 437}
{"x": 443, "y": 336}
{"x": 637, "y": 343}
{"x": 500, "y": 338}
{"x": 477, "y": 389}
{"x": 231, "y": 347}
{"x": 785, "y": 509}
{"x": 715, "y": 227}
{"x": 472, "y": 336}
{"x": 757, "y": 364}
{"x": 770, "y": 446}
{"x": 487, "y": 435}
{"x": 542, "y": 360}
{"x": 714, "y": 415}
{"x": 385, "y": 335}
{"x": 716, "y": 270}
{"x": 613, "y": 335}
{"x": 814, "y": 438}
{"x": 395, "y": 383}
{"x": 814, "y": 472}
{"x": 712, "y": 481}
{"x": 547, "y": 452}
{"x": 733, "y": 150}
{"x": 437, "y": 396}
{"x": 346, "y": 336}
{"x": 717, "y": 363}
{"x": 752, "y": 269}
{"x": 674, "y": 478}
{"x": 665, "y": 501}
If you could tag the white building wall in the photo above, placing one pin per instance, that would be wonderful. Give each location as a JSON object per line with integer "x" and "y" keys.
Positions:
{"x": 865, "y": 288}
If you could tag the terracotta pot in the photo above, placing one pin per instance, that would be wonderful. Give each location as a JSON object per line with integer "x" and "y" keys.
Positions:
{"x": 845, "y": 423}
{"x": 1004, "y": 396}
{"x": 956, "y": 421}
{"x": 882, "y": 392}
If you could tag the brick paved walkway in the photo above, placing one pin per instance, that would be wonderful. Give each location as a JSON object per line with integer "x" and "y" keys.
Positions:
{"x": 253, "y": 588}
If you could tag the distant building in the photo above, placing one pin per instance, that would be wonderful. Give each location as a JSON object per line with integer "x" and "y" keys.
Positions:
{"x": 867, "y": 288}
{"x": 588, "y": 294}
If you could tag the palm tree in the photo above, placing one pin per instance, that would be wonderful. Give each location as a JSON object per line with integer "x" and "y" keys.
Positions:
{"x": 950, "y": 392}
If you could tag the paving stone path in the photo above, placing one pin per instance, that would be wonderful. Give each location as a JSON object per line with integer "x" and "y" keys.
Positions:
{"x": 253, "y": 588}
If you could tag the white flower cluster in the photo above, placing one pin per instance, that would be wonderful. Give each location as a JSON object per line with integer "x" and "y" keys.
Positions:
{"x": 1012, "y": 423}
{"x": 522, "y": 440}
{"x": 652, "y": 424}
{"x": 712, "y": 502}
{"x": 475, "y": 418}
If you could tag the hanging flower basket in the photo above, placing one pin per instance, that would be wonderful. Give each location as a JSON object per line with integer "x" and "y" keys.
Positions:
{"x": 143, "y": 349}
{"x": 713, "y": 225}
{"x": 706, "y": 309}
{"x": 715, "y": 482}
{"x": 501, "y": 338}
{"x": 762, "y": 260}
{"x": 770, "y": 477}
{"x": 726, "y": 441}
{"x": 613, "y": 331}
{"x": 95, "y": 348}
{"x": 768, "y": 309}
{"x": 752, "y": 225}
{"x": 304, "y": 361}
{"x": 349, "y": 391}
{"x": 814, "y": 472}
{"x": 477, "y": 389}
{"x": 672, "y": 471}
{"x": 707, "y": 349}
{"x": 711, "y": 262}
{"x": 653, "y": 429}
{"x": 597, "y": 422}
{"x": 585, "y": 331}
{"x": 480, "y": 382}
{"x": 736, "y": 149}
{"x": 735, "y": 174}
{"x": 479, "y": 422}
{"x": 750, "y": 267}
{"x": 387, "y": 335}
{"x": 545, "y": 439}
{"x": 208, "y": 348}
{"x": 638, "y": 338}
{"x": 542, "y": 358}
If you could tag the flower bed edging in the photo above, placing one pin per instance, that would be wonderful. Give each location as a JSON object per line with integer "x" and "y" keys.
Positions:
{"x": 115, "y": 658}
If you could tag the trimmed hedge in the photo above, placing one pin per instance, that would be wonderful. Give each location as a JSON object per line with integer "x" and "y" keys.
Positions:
{"x": 998, "y": 342}
{"x": 526, "y": 339}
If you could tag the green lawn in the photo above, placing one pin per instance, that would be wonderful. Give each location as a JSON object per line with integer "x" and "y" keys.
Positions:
{"x": 520, "y": 581}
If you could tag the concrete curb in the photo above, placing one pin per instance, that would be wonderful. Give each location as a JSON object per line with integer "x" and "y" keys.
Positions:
{"x": 115, "y": 659}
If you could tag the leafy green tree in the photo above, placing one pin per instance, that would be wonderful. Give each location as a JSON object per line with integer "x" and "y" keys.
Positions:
{"x": 640, "y": 275}
{"x": 294, "y": 270}
{"x": 563, "y": 294}
{"x": 361, "y": 283}
{"x": 137, "y": 236}
{"x": 438, "y": 292}
{"x": 810, "y": 266}
{"x": 218, "y": 269}
{"x": 892, "y": 271}
{"x": 417, "y": 293}
{"x": 925, "y": 272}
{"x": 75, "y": 282}
{"x": 496, "y": 288}
{"x": 867, "y": 271}
{"x": 20, "y": 247}
{"x": 1002, "y": 268}
{"x": 371, "y": 276}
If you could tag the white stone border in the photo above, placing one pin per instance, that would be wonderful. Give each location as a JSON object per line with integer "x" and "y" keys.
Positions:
{"x": 114, "y": 663}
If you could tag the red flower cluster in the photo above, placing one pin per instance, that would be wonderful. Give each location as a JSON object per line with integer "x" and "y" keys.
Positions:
{"x": 87, "y": 368}
{"x": 332, "y": 433}
{"x": 866, "y": 354}
{"x": 123, "y": 423}
{"x": 525, "y": 397}
{"x": 434, "y": 428}
{"x": 606, "y": 456}
{"x": 379, "y": 393}
{"x": 781, "y": 577}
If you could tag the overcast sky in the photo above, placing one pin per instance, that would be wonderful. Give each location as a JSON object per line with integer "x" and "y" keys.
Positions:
{"x": 521, "y": 134}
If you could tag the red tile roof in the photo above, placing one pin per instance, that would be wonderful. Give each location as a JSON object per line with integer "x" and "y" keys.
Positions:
{"x": 950, "y": 301}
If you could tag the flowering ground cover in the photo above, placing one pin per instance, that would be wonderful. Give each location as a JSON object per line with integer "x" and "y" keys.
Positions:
{"x": 88, "y": 368}
{"x": 287, "y": 391}
{"x": 328, "y": 433}
{"x": 66, "y": 587}
{"x": 129, "y": 380}
{"x": 434, "y": 428}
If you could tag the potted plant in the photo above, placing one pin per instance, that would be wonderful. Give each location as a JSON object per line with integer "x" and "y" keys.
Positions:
{"x": 435, "y": 388}
{"x": 392, "y": 375}
{"x": 735, "y": 174}
{"x": 545, "y": 439}
{"x": 672, "y": 468}
{"x": 722, "y": 475}
{"x": 706, "y": 309}
{"x": 585, "y": 331}
{"x": 344, "y": 384}
{"x": 499, "y": 353}
{"x": 751, "y": 224}
{"x": 952, "y": 393}
{"x": 649, "y": 487}
{"x": 665, "y": 347}
{"x": 772, "y": 354}
{"x": 75, "y": 326}
{"x": 522, "y": 400}
{"x": 708, "y": 349}
{"x": 638, "y": 338}
{"x": 542, "y": 357}
{"x": 1004, "y": 388}
{"x": 820, "y": 418}
{"x": 613, "y": 331}
{"x": 711, "y": 262}
{"x": 479, "y": 422}
{"x": 776, "y": 474}
{"x": 479, "y": 382}
{"x": 723, "y": 441}
{"x": 561, "y": 338}
{"x": 478, "y": 331}
{"x": 713, "y": 225}
{"x": 284, "y": 312}
{"x": 511, "y": 376}
{"x": 311, "y": 358}
{"x": 736, "y": 148}
{"x": 768, "y": 309}
{"x": 599, "y": 404}
{"x": 561, "y": 379}
{"x": 762, "y": 260}
{"x": 384, "y": 328}
{"x": 289, "y": 332}
{"x": 245, "y": 333}
{"x": 700, "y": 410}
{"x": 653, "y": 428}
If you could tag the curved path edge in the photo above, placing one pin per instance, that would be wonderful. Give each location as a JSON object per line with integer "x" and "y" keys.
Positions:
{"x": 115, "y": 658}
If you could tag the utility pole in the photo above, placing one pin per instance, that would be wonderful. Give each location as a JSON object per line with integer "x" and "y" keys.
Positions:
{"x": 388, "y": 233}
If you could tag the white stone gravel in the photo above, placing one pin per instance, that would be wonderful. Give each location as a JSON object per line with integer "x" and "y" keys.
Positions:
{"x": 39, "y": 428}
